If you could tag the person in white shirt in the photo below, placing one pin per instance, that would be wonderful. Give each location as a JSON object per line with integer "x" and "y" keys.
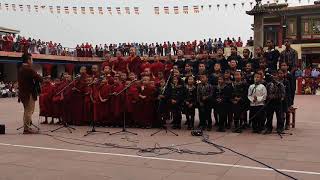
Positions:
{"x": 257, "y": 94}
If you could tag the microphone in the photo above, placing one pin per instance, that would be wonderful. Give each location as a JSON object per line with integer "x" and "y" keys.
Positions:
{"x": 77, "y": 76}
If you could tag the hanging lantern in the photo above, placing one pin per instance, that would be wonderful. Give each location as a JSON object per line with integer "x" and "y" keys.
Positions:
{"x": 226, "y": 6}
{"x": 218, "y": 6}
{"x": 242, "y": 4}
{"x": 251, "y": 3}
{"x": 210, "y": 7}
{"x": 234, "y": 5}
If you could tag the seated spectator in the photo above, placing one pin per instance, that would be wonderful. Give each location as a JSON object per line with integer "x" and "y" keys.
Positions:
{"x": 315, "y": 72}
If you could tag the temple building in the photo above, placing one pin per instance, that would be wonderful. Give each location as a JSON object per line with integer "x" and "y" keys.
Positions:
{"x": 278, "y": 22}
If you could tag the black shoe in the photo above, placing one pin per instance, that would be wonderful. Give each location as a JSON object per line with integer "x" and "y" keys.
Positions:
{"x": 268, "y": 131}
{"x": 237, "y": 130}
{"x": 279, "y": 131}
{"x": 221, "y": 130}
{"x": 209, "y": 128}
{"x": 189, "y": 128}
{"x": 287, "y": 127}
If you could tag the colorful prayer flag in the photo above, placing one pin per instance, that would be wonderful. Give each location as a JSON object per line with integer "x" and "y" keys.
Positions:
{"x": 91, "y": 10}
{"x": 185, "y": 10}
{"x": 196, "y": 9}
{"x": 66, "y": 10}
{"x": 166, "y": 10}
{"x": 36, "y": 8}
{"x": 13, "y": 7}
{"x": 118, "y": 10}
{"x": 29, "y": 8}
{"x": 156, "y": 10}
{"x": 136, "y": 10}
{"x": 127, "y": 9}
{"x": 58, "y": 9}
{"x": 83, "y": 10}
{"x": 100, "y": 10}
{"x": 109, "y": 10}
{"x": 75, "y": 10}
{"x": 176, "y": 9}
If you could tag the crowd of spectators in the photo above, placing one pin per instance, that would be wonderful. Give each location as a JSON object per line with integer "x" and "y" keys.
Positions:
{"x": 11, "y": 42}
{"x": 8, "y": 89}
{"x": 311, "y": 79}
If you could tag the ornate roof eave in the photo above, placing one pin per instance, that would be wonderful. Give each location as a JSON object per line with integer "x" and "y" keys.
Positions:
{"x": 266, "y": 8}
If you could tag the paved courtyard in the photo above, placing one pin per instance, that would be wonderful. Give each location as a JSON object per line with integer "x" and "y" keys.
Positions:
{"x": 43, "y": 157}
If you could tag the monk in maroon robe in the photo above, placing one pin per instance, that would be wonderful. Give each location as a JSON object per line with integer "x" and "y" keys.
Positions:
{"x": 145, "y": 64}
{"x": 134, "y": 62}
{"x": 146, "y": 102}
{"x": 132, "y": 98}
{"x": 117, "y": 101}
{"x": 107, "y": 61}
{"x": 67, "y": 99}
{"x": 103, "y": 105}
{"x": 57, "y": 100}
{"x": 95, "y": 74}
{"x": 120, "y": 64}
{"x": 45, "y": 99}
{"x": 78, "y": 98}
{"x": 157, "y": 66}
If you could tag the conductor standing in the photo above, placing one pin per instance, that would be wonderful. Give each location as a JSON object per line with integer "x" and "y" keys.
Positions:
{"x": 29, "y": 87}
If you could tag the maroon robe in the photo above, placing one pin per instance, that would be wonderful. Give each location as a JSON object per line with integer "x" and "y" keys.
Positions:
{"x": 78, "y": 101}
{"x": 134, "y": 64}
{"x": 57, "y": 99}
{"x": 146, "y": 117}
{"x": 45, "y": 99}
{"x": 67, "y": 103}
{"x": 103, "y": 109}
{"x": 156, "y": 68}
{"x": 120, "y": 65}
{"x": 131, "y": 104}
{"x": 117, "y": 102}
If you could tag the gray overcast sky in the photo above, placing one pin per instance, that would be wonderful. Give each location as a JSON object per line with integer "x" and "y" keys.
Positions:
{"x": 146, "y": 27}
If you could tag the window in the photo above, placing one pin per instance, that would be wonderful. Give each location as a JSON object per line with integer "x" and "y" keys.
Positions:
{"x": 292, "y": 27}
{"x": 305, "y": 27}
{"x": 316, "y": 26}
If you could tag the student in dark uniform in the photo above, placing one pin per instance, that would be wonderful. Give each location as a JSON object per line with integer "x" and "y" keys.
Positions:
{"x": 228, "y": 79}
{"x": 258, "y": 55}
{"x": 234, "y": 56}
{"x": 180, "y": 61}
{"x": 221, "y": 59}
{"x": 239, "y": 93}
{"x": 246, "y": 58}
{"x": 272, "y": 56}
{"x": 190, "y": 100}
{"x": 213, "y": 78}
{"x": 286, "y": 101}
{"x": 289, "y": 77}
{"x": 204, "y": 94}
{"x": 175, "y": 101}
{"x": 162, "y": 104}
{"x": 275, "y": 96}
{"x": 248, "y": 73}
{"x": 222, "y": 97}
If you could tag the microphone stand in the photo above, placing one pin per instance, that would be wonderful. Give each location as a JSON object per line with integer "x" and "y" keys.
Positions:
{"x": 93, "y": 130}
{"x": 164, "y": 125}
{"x": 64, "y": 123}
{"x": 124, "y": 129}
